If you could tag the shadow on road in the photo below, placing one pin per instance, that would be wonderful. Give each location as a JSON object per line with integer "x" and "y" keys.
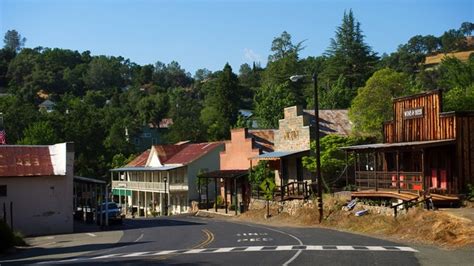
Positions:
{"x": 41, "y": 251}
{"x": 128, "y": 224}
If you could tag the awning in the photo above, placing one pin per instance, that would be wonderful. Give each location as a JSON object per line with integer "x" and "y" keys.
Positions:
{"x": 121, "y": 192}
{"x": 279, "y": 154}
{"x": 225, "y": 174}
{"x": 146, "y": 169}
{"x": 405, "y": 145}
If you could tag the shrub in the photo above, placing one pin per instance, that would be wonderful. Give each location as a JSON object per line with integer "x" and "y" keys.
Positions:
{"x": 6, "y": 235}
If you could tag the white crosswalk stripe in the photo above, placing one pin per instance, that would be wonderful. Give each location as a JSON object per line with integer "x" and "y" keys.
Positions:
{"x": 333, "y": 248}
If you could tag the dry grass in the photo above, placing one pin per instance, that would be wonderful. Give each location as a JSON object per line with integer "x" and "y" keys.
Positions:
{"x": 418, "y": 225}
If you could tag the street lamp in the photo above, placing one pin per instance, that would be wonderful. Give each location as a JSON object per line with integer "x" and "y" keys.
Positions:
{"x": 318, "y": 180}
{"x": 166, "y": 197}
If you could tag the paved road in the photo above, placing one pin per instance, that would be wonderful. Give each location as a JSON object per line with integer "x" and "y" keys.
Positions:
{"x": 189, "y": 240}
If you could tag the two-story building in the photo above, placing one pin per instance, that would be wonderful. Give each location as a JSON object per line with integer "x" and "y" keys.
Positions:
{"x": 424, "y": 149}
{"x": 163, "y": 179}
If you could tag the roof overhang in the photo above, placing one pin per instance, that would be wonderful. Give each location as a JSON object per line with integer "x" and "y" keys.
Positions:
{"x": 400, "y": 145}
{"x": 88, "y": 180}
{"x": 276, "y": 155}
{"x": 146, "y": 169}
{"x": 225, "y": 174}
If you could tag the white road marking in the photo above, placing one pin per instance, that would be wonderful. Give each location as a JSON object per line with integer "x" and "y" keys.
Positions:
{"x": 345, "y": 247}
{"x": 136, "y": 254}
{"x": 164, "y": 252}
{"x": 223, "y": 250}
{"x": 375, "y": 248}
{"x": 257, "y": 248}
{"x": 407, "y": 249}
{"x": 284, "y": 248}
{"x": 106, "y": 256}
{"x": 192, "y": 251}
{"x": 138, "y": 239}
{"x": 91, "y": 234}
{"x": 311, "y": 247}
{"x": 241, "y": 249}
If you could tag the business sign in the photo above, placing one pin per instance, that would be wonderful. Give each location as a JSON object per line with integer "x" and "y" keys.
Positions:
{"x": 413, "y": 113}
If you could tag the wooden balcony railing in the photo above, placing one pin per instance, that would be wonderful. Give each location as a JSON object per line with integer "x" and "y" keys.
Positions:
{"x": 149, "y": 186}
{"x": 411, "y": 181}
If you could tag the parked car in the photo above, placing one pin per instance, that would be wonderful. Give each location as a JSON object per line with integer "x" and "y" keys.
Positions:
{"x": 113, "y": 211}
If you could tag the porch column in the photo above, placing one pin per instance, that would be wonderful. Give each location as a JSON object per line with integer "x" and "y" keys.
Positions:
{"x": 207, "y": 194}
{"x": 235, "y": 191}
{"x": 145, "y": 209}
{"x": 215, "y": 192}
{"x": 282, "y": 177}
{"x": 347, "y": 168}
{"x": 225, "y": 194}
{"x": 423, "y": 169}
{"x": 398, "y": 170}
{"x": 375, "y": 171}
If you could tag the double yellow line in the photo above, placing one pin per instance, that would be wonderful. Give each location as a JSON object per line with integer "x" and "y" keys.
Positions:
{"x": 207, "y": 241}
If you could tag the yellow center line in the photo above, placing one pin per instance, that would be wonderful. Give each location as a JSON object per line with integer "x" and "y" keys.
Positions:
{"x": 209, "y": 239}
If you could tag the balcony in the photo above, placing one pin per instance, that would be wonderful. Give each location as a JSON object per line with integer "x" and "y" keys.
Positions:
{"x": 149, "y": 186}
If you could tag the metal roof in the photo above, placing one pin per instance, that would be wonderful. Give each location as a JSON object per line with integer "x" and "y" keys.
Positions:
{"x": 277, "y": 154}
{"x": 400, "y": 145}
{"x": 146, "y": 169}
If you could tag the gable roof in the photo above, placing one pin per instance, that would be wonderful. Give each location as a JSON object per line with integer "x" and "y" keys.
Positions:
{"x": 263, "y": 139}
{"x": 192, "y": 152}
{"x": 333, "y": 121}
{"x": 140, "y": 160}
{"x": 175, "y": 153}
{"x": 16, "y": 160}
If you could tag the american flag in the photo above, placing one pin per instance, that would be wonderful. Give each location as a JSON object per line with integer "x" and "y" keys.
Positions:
{"x": 3, "y": 137}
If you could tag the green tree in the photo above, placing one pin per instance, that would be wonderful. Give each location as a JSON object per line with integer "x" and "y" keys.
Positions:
{"x": 349, "y": 55}
{"x": 333, "y": 159}
{"x": 467, "y": 28}
{"x": 454, "y": 73}
{"x": 185, "y": 111}
{"x": 282, "y": 47}
{"x": 151, "y": 109}
{"x": 452, "y": 40}
{"x": 221, "y": 105}
{"x": 373, "y": 104}
{"x": 269, "y": 103}
{"x": 13, "y": 41}
{"x": 39, "y": 133}
{"x": 459, "y": 99}
{"x": 105, "y": 73}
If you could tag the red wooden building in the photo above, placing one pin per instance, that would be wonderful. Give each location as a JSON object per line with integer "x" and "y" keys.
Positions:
{"x": 424, "y": 149}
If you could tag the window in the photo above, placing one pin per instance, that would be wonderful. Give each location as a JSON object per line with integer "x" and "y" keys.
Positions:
{"x": 3, "y": 190}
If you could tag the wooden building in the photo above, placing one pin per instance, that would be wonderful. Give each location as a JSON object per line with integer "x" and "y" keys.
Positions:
{"x": 424, "y": 149}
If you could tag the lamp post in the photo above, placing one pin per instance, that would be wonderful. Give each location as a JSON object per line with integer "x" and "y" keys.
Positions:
{"x": 316, "y": 154}
{"x": 166, "y": 197}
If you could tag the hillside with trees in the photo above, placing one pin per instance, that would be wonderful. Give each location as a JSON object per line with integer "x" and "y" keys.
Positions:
{"x": 100, "y": 100}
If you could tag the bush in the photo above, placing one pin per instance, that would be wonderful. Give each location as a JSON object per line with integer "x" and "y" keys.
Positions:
{"x": 6, "y": 235}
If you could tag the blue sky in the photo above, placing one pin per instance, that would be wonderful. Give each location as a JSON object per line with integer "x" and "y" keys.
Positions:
{"x": 209, "y": 33}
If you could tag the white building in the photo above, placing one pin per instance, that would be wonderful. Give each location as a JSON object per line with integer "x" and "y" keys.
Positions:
{"x": 36, "y": 188}
{"x": 165, "y": 175}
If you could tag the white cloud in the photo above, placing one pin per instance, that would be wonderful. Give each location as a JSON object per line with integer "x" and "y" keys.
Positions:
{"x": 250, "y": 55}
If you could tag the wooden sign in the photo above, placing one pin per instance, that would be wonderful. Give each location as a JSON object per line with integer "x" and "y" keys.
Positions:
{"x": 413, "y": 113}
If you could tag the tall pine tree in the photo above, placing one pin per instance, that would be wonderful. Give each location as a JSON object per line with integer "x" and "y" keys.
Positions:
{"x": 349, "y": 57}
{"x": 221, "y": 104}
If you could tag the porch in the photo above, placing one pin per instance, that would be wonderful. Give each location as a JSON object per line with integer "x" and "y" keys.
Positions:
{"x": 423, "y": 166}
{"x": 291, "y": 178}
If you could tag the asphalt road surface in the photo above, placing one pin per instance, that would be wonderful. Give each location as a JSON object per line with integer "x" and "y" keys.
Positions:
{"x": 189, "y": 240}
